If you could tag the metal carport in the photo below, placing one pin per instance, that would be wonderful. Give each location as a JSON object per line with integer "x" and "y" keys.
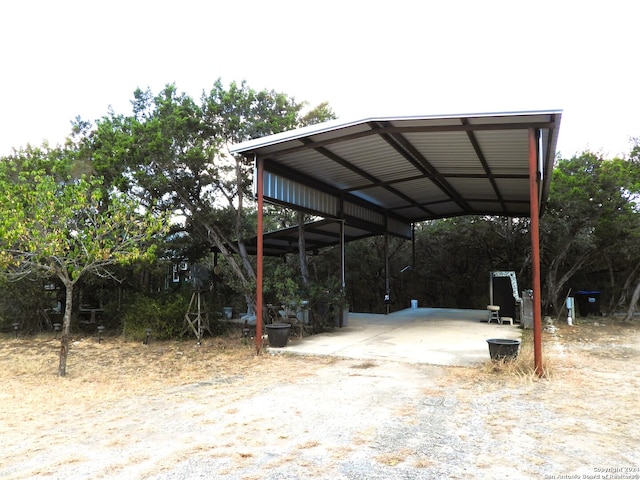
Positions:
{"x": 384, "y": 174}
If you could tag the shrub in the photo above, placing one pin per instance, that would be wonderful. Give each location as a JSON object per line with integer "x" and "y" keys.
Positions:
{"x": 163, "y": 314}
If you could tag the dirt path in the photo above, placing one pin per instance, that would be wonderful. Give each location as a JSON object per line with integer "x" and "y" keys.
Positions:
{"x": 174, "y": 411}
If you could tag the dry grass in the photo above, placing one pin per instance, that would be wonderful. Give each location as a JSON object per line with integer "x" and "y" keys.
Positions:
{"x": 365, "y": 436}
{"x": 523, "y": 366}
{"x": 422, "y": 462}
{"x": 567, "y": 352}
{"x": 115, "y": 368}
{"x": 590, "y": 380}
{"x": 590, "y": 386}
{"x": 391, "y": 459}
{"x": 364, "y": 365}
{"x": 589, "y": 390}
{"x": 309, "y": 444}
{"x": 494, "y": 373}
{"x": 131, "y": 374}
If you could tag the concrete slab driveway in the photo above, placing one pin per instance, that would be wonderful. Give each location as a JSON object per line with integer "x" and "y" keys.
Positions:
{"x": 436, "y": 336}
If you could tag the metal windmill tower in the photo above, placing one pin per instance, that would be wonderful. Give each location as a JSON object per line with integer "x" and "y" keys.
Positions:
{"x": 197, "y": 319}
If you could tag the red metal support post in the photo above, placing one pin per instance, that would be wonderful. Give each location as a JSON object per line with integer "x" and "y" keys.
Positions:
{"x": 260, "y": 249}
{"x": 535, "y": 250}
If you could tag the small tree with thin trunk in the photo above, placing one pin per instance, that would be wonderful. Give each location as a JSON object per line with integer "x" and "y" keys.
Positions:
{"x": 66, "y": 228}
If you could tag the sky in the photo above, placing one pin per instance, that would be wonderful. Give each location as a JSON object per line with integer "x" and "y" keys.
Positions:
{"x": 62, "y": 59}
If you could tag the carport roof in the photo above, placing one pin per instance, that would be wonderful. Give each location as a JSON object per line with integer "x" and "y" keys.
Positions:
{"x": 317, "y": 235}
{"x": 409, "y": 169}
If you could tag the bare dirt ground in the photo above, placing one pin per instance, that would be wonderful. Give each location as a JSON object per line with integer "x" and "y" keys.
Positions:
{"x": 174, "y": 410}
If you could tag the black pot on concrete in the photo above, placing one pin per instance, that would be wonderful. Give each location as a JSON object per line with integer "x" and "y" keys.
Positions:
{"x": 278, "y": 334}
{"x": 503, "y": 349}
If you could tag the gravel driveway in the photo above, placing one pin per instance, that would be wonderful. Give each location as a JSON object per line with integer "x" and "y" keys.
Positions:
{"x": 353, "y": 419}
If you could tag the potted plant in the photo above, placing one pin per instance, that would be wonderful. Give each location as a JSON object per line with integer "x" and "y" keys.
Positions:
{"x": 330, "y": 307}
{"x": 319, "y": 306}
{"x": 286, "y": 293}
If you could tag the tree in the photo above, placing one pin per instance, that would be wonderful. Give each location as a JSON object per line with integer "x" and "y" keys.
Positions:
{"x": 590, "y": 219}
{"x": 55, "y": 225}
{"x": 632, "y": 192}
{"x": 175, "y": 151}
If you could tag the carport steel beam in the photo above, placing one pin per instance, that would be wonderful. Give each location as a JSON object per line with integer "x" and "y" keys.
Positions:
{"x": 537, "y": 141}
{"x": 535, "y": 249}
{"x": 259, "y": 251}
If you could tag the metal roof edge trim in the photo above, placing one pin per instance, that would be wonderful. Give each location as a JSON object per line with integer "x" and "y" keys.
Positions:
{"x": 319, "y": 128}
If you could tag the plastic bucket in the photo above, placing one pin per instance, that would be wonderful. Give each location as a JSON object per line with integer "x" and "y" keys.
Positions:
{"x": 414, "y": 303}
{"x": 228, "y": 312}
{"x": 503, "y": 349}
{"x": 278, "y": 334}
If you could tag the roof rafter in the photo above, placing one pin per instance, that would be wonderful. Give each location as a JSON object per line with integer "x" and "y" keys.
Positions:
{"x": 408, "y": 151}
{"x": 390, "y": 172}
{"x": 483, "y": 161}
{"x": 349, "y": 166}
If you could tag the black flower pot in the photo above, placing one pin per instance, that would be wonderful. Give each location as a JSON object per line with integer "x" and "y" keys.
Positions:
{"x": 278, "y": 334}
{"x": 503, "y": 349}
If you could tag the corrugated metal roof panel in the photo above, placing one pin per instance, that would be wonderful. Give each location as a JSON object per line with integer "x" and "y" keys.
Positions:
{"x": 413, "y": 212}
{"x": 315, "y": 165}
{"x": 512, "y": 188}
{"x": 491, "y": 208}
{"x": 417, "y": 168}
{"x": 423, "y": 190}
{"x": 445, "y": 209}
{"x": 474, "y": 188}
{"x": 288, "y": 191}
{"x": 372, "y": 155}
{"x": 504, "y": 151}
{"x": 448, "y": 152}
{"x": 381, "y": 197}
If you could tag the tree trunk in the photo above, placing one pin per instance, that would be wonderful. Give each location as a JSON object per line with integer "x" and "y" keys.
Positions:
{"x": 632, "y": 303}
{"x": 66, "y": 329}
{"x": 554, "y": 285}
{"x": 302, "y": 250}
{"x": 625, "y": 289}
{"x": 215, "y": 236}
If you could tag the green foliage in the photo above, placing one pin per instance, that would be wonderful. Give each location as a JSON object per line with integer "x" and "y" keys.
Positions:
{"x": 324, "y": 296}
{"x": 173, "y": 151}
{"x": 327, "y": 301}
{"x": 591, "y": 224}
{"x": 53, "y": 224}
{"x": 24, "y": 301}
{"x": 457, "y": 254}
{"x": 65, "y": 226}
{"x": 163, "y": 314}
{"x": 321, "y": 113}
{"x": 239, "y": 113}
{"x": 282, "y": 285}
{"x": 589, "y": 192}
